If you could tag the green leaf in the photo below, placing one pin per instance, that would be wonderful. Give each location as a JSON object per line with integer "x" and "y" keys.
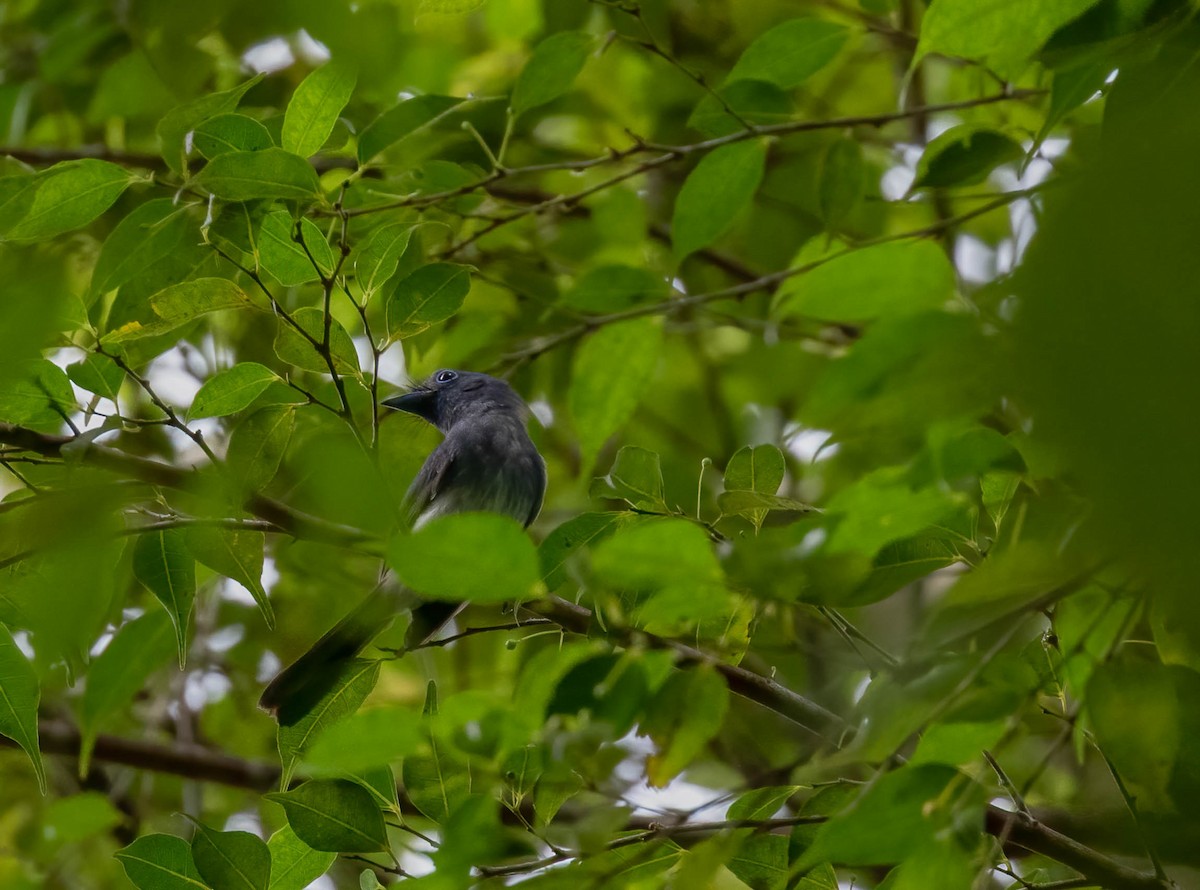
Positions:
{"x": 437, "y": 782}
{"x": 874, "y": 511}
{"x": 1004, "y": 35}
{"x": 19, "y": 696}
{"x": 632, "y": 558}
{"x": 173, "y": 129}
{"x": 841, "y": 181}
{"x": 69, "y": 196}
{"x": 162, "y": 563}
{"x": 236, "y": 553}
{"x": 429, "y": 295}
{"x": 755, "y": 101}
{"x": 230, "y": 391}
{"x": 180, "y": 303}
{"x": 1071, "y": 88}
{"x": 297, "y": 350}
{"x": 450, "y": 7}
{"x": 284, "y": 259}
{"x": 1135, "y": 713}
{"x": 758, "y": 507}
{"x": 368, "y": 739}
{"x": 231, "y": 860}
{"x": 568, "y": 539}
{"x": 270, "y": 173}
{"x": 759, "y": 468}
{"x": 160, "y": 862}
{"x": 685, "y": 714}
{"x": 230, "y": 132}
{"x": 69, "y": 820}
{"x": 257, "y": 445}
{"x": 957, "y": 744}
{"x": 142, "y": 238}
{"x": 376, "y": 262}
{"x": 395, "y": 124}
{"x": 890, "y": 818}
{"x": 610, "y": 371}
{"x": 551, "y": 69}
{"x": 964, "y": 155}
{"x": 294, "y": 864}
{"x": 98, "y": 374}
{"x": 790, "y": 53}
{"x": 503, "y": 564}
{"x": 348, "y": 692}
{"x": 39, "y": 398}
{"x": 898, "y": 278}
{"x": 334, "y": 815}
{"x": 613, "y": 288}
{"x": 762, "y": 803}
{"x": 715, "y": 192}
{"x": 636, "y": 477}
{"x": 315, "y": 106}
{"x": 119, "y": 673}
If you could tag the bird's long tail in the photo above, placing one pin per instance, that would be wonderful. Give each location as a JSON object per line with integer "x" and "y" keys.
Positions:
{"x": 297, "y": 688}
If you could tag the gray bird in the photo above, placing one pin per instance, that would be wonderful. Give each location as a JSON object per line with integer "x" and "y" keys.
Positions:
{"x": 486, "y": 462}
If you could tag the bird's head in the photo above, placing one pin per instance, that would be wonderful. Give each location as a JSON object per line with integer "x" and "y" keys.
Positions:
{"x": 448, "y": 397}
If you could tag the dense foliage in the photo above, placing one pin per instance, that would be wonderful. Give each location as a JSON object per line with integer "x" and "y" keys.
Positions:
{"x": 862, "y": 341}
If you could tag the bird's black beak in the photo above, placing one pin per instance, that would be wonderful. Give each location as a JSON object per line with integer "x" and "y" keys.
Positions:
{"x": 420, "y": 402}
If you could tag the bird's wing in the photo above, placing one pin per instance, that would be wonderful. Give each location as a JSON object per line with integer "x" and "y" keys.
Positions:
{"x": 430, "y": 481}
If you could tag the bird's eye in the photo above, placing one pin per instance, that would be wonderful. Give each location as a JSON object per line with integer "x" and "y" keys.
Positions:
{"x": 444, "y": 376}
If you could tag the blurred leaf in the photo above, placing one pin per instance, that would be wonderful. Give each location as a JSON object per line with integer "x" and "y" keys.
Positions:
{"x": 614, "y": 288}
{"x": 636, "y": 557}
{"x": 142, "y": 238}
{"x": 294, "y": 348}
{"x": 173, "y": 129}
{"x": 376, "y": 262}
{"x": 20, "y": 693}
{"x": 611, "y": 689}
{"x": 568, "y": 539}
{"x": 503, "y": 564}
{"x": 269, "y": 173}
{"x": 429, "y": 295}
{"x": 231, "y": 390}
{"x": 403, "y": 120}
{"x": 367, "y": 739}
{"x": 160, "y": 862}
{"x": 161, "y": 561}
{"x": 315, "y": 106}
{"x": 294, "y": 864}
{"x": 1003, "y": 35}
{"x": 69, "y": 195}
{"x": 957, "y": 744}
{"x": 284, "y": 259}
{"x": 231, "y": 860}
{"x": 437, "y": 782}
{"x": 39, "y": 398}
{"x": 1135, "y": 714}
{"x": 841, "y": 181}
{"x": 257, "y": 445}
{"x": 762, "y": 803}
{"x": 610, "y": 372}
{"x": 755, "y": 101}
{"x": 889, "y": 819}
{"x": 451, "y": 7}
{"x": 790, "y": 53}
{"x": 636, "y": 477}
{"x": 98, "y": 374}
{"x": 353, "y": 685}
{"x": 230, "y": 132}
{"x": 1070, "y": 88}
{"x": 964, "y": 155}
{"x": 334, "y": 815}
{"x": 936, "y": 863}
{"x": 70, "y": 820}
{"x": 119, "y": 673}
{"x": 236, "y": 553}
{"x": 551, "y": 69}
{"x": 897, "y": 278}
{"x": 757, "y": 507}
{"x": 685, "y": 714}
{"x": 873, "y": 511}
{"x": 715, "y": 192}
